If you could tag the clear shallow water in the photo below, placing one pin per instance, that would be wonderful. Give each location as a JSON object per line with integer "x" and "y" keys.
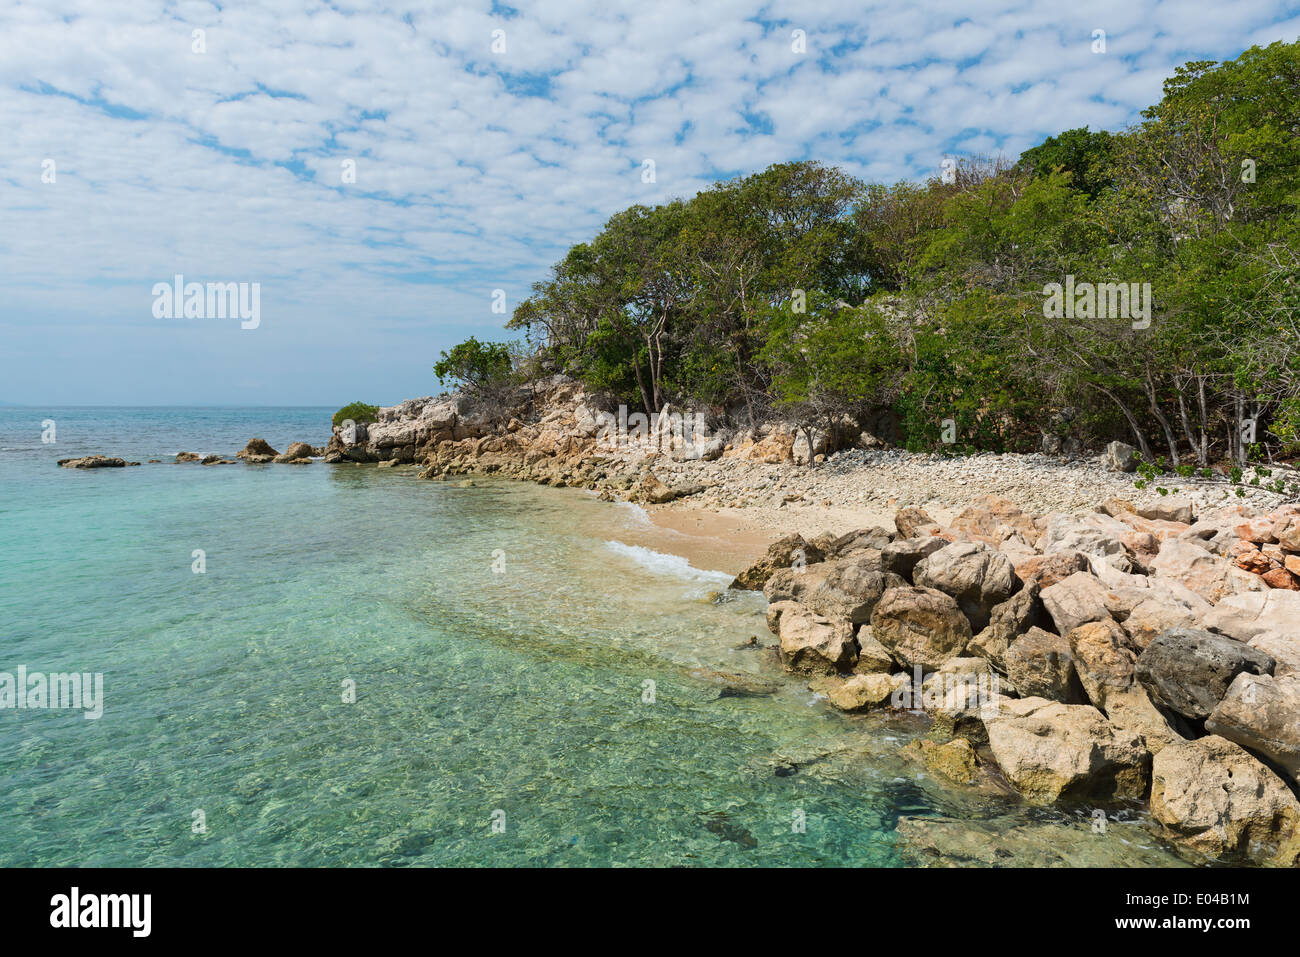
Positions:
{"x": 517, "y": 688}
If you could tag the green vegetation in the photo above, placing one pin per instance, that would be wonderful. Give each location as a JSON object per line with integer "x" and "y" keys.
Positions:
{"x": 800, "y": 289}
{"x": 475, "y": 366}
{"x": 358, "y": 412}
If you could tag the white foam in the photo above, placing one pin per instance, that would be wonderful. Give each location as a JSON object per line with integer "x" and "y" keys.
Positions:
{"x": 636, "y": 516}
{"x": 670, "y": 565}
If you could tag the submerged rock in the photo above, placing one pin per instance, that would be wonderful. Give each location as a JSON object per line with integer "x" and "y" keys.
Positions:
{"x": 95, "y": 462}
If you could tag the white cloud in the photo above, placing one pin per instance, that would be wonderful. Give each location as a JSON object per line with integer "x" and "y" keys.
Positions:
{"x": 475, "y": 170}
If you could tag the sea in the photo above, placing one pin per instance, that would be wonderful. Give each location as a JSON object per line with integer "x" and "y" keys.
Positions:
{"x": 341, "y": 665}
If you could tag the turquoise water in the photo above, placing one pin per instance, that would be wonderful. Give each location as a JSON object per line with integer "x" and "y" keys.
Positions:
{"x": 500, "y": 640}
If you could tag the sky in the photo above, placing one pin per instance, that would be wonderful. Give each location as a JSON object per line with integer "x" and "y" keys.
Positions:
{"x": 485, "y": 140}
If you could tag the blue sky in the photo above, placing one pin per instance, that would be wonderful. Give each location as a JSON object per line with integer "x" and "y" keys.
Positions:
{"x": 475, "y": 167}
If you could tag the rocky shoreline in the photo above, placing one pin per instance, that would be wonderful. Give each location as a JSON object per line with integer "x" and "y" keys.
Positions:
{"x": 1070, "y": 637}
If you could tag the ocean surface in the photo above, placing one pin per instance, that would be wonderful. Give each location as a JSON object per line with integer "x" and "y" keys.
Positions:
{"x": 375, "y": 670}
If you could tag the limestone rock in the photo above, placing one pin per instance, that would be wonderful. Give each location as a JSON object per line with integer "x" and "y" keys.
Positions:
{"x": 1049, "y": 750}
{"x": 1213, "y": 797}
{"x": 920, "y": 626}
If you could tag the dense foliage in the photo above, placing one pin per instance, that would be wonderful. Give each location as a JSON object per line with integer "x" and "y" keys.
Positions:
{"x": 800, "y": 289}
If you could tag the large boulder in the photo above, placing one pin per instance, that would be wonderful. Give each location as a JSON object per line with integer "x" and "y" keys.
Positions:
{"x": 920, "y": 626}
{"x": 1193, "y": 566}
{"x": 1106, "y": 667}
{"x": 1262, "y": 714}
{"x": 1092, "y": 533}
{"x": 1213, "y": 797}
{"x": 814, "y": 644}
{"x": 977, "y": 576}
{"x": 1047, "y": 570}
{"x": 1074, "y": 601}
{"x": 257, "y": 451}
{"x": 1007, "y": 622}
{"x": 1173, "y": 508}
{"x": 901, "y": 556}
{"x": 788, "y": 551}
{"x": 850, "y": 588}
{"x": 1040, "y": 664}
{"x": 1049, "y": 750}
{"x": 1121, "y": 457}
{"x": 1248, "y": 614}
{"x": 1188, "y": 671}
{"x": 992, "y": 519}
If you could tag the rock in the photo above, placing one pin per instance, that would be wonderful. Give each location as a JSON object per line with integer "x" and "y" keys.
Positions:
{"x": 902, "y": 555}
{"x": 216, "y": 460}
{"x": 1262, "y": 714}
{"x": 1041, "y": 664}
{"x": 95, "y": 462}
{"x": 992, "y": 519}
{"x": 850, "y": 588}
{"x": 1104, "y": 664}
{"x": 872, "y": 655}
{"x": 1249, "y": 614}
{"x": 257, "y": 451}
{"x": 920, "y": 626}
{"x": 1007, "y": 622}
{"x": 1169, "y": 509}
{"x": 1092, "y": 533}
{"x": 862, "y": 539}
{"x": 1074, "y": 601}
{"x": 187, "y": 456}
{"x": 1047, "y": 570}
{"x": 298, "y": 452}
{"x": 775, "y": 610}
{"x": 1284, "y": 649}
{"x": 954, "y": 760}
{"x": 654, "y": 491}
{"x": 1210, "y": 795}
{"x": 777, "y": 447}
{"x": 813, "y": 644}
{"x": 731, "y": 684}
{"x": 1193, "y": 566}
{"x": 977, "y": 576}
{"x": 1121, "y": 457}
{"x": 781, "y": 554}
{"x": 1049, "y": 750}
{"x": 1188, "y": 671}
{"x": 1154, "y": 615}
{"x": 1106, "y": 670}
{"x": 859, "y": 692}
{"x": 912, "y": 522}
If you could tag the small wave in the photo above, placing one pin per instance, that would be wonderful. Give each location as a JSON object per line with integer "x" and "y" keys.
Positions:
{"x": 663, "y": 564}
{"x": 636, "y": 516}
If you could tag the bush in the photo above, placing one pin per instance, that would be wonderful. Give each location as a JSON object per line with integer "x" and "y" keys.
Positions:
{"x": 475, "y": 365}
{"x": 358, "y": 412}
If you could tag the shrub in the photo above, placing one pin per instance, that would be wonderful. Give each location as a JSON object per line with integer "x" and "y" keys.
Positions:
{"x": 358, "y": 412}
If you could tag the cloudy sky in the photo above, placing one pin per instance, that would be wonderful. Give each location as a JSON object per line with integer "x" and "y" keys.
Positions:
{"x": 480, "y": 156}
